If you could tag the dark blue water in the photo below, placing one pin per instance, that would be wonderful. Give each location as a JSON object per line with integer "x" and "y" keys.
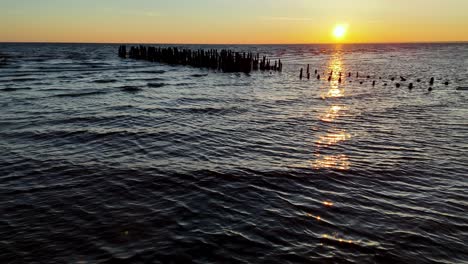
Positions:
{"x": 106, "y": 160}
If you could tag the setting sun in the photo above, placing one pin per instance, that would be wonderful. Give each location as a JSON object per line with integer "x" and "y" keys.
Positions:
{"x": 340, "y": 31}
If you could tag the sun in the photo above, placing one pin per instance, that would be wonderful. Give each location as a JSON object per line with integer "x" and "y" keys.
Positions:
{"x": 340, "y": 31}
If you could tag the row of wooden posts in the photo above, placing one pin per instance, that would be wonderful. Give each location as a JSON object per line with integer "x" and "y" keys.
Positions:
{"x": 224, "y": 60}
{"x": 340, "y": 79}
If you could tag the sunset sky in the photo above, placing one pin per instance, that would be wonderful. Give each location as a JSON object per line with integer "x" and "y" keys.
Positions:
{"x": 232, "y": 21}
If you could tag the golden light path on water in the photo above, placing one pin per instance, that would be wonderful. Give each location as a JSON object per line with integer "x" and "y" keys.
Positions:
{"x": 333, "y": 135}
{"x": 325, "y": 156}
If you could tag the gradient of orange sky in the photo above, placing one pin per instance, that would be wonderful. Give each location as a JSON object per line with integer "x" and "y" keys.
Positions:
{"x": 228, "y": 21}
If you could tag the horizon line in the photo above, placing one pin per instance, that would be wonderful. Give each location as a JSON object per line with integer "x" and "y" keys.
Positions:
{"x": 240, "y": 44}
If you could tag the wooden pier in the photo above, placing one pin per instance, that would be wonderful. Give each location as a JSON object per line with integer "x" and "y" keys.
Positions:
{"x": 223, "y": 60}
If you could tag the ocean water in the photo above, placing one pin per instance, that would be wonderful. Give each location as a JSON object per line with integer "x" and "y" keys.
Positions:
{"x": 105, "y": 160}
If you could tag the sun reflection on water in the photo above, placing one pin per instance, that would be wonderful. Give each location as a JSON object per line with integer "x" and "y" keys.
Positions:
{"x": 335, "y": 238}
{"x": 335, "y": 135}
{"x": 334, "y": 92}
{"x": 333, "y": 138}
{"x": 340, "y": 162}
{"x": 332, "y": 113}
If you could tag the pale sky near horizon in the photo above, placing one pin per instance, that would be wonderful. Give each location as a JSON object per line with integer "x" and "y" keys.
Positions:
{"x": 232, "y": 21}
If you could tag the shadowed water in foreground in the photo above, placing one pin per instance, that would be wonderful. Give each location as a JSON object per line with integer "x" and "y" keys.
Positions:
{"x": 106, "y": 160}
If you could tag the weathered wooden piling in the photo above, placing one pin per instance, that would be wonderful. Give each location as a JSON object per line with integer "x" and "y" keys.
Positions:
{"x": 123, "y": 51}
{"x": 300, "y": 74}
{"x": 431, "y": 82}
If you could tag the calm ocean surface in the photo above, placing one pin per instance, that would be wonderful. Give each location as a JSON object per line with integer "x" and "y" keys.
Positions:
{"x": 106, "y": 160}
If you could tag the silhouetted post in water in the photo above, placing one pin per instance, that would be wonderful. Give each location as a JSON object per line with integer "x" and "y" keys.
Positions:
{"x": 373, "y": 83}
{"x": 308, "y": 76}
{"x": 308, "y": 69}
{"x": 123, "y": 51}
{"x": 418, "y": 80}
{"x": 318, "y": 77}
{"x": 446, "y": 83}
{"x": 316, "y": 71}
{"x": 410, "y": 86}
{"x": 393, "y": 79}
{"x": 357, "y": 74}
{"x": 339, "y": 80}
{"x": 430, "y": 89}
{"x": 397, "y": 85}
{"x": 349, "y": 75}
{"x": 300, "y": 75}
{"x": 431, "y": 82}
{"x": 329, "y": 78}
{"x": 403, "y": 79}
{"x": 368, "y": 76}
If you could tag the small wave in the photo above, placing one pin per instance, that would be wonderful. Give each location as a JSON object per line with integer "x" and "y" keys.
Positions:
{"x": 184, "y": 84}
{"x": 156, "y": 85}
{"x": 207, "y": 110}
{"x": 152, "y": 72}
{"x": 129, "y": 88}
{"x": 9, "y": 75}
{"x": 79, "y": 94}
{"x": 19, "y": 80}
{"x": 106, "y": 81}
{"x": 94, "y": 64}
{"x": 120, "y": 107}
{"x": 14, "y": 89}
{"x": 155, "y": 79}
{"x": 199, "y": 75}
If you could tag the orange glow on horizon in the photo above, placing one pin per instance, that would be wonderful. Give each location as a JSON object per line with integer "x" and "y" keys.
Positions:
{"x": 209, "y": 22}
